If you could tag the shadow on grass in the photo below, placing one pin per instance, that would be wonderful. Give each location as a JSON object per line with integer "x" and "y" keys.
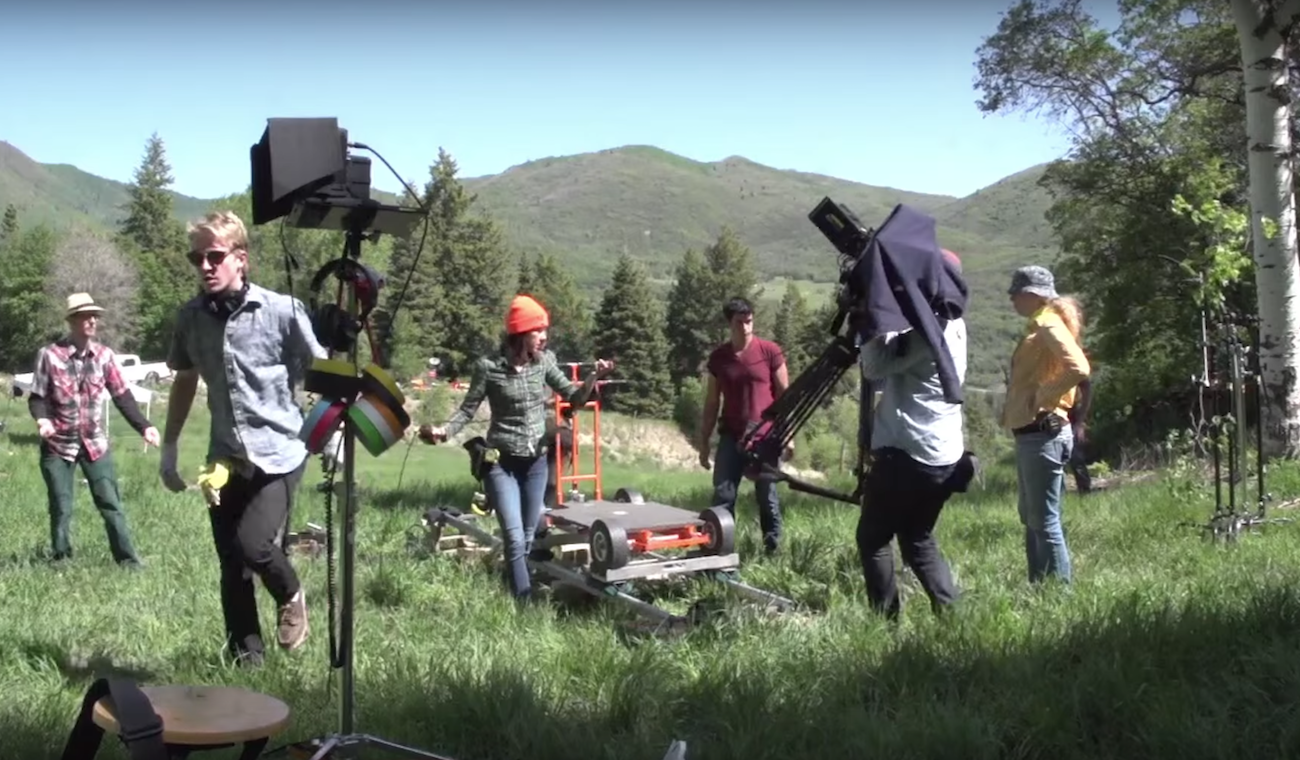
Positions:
{"x": 421, "y": 495}
{"x": 1142, "y": 678}
{"x": 80, "y": 671}
{"x": 31, "y": 440}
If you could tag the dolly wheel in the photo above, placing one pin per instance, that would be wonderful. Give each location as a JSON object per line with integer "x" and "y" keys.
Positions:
{"x": 721, "y": 530}
{"x": 609, "y": 549}
{"x": 629, "y": 496}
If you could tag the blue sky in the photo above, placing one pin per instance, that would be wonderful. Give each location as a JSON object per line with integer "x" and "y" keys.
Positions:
{"x": 880, "y": 96}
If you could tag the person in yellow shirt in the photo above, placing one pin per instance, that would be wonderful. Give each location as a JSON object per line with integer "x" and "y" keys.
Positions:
{"x": 1046, "y": 369}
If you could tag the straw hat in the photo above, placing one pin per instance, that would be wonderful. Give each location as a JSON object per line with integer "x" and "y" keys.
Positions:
{"x": 82, "y": 303}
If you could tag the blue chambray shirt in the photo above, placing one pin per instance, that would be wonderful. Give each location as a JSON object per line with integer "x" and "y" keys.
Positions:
{"x": 251, "y": 362}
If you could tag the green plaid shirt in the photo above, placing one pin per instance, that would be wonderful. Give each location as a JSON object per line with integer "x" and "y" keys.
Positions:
{"x": 517, "y": 400}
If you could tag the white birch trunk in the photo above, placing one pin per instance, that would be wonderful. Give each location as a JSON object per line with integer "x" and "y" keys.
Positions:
{"x": 1277, "y": 266}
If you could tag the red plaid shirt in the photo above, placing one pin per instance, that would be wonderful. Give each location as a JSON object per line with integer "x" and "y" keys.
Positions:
{"x": 73, "y": 386}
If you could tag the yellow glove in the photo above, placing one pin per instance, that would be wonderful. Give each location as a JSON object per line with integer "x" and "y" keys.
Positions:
{"x": 212, "y": 479}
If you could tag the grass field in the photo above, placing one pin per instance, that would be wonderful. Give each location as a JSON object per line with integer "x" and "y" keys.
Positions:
{"x": 1168, "y": 646}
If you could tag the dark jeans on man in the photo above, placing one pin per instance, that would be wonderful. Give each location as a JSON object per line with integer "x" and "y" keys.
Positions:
{"x": 728, "y": 471}
{"x": 516, "y": 489}
{"x": 102, "y": 477}
{"x": 246, "y": 529}
{"x": 904, "y": 498}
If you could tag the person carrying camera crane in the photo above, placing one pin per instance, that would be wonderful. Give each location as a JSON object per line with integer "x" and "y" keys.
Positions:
{"x": 919, "y": 455}
{"x": 514, "y": 382}
{"x": 252, "y": 347}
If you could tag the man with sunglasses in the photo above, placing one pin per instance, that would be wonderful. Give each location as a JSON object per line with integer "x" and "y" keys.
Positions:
{"x": 252, "y": 347}
{"x": 72, "y": 376}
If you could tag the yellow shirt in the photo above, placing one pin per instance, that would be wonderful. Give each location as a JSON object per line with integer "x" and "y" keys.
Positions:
{"x": 1046, "y": 367}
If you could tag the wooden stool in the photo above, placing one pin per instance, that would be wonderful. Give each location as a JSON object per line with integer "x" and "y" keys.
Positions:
{"x": 198, "y": 718}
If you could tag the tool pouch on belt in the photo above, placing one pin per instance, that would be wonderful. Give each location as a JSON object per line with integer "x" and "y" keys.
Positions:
{"x": 481, "y": 457}
{"x": 1044, "y": 423}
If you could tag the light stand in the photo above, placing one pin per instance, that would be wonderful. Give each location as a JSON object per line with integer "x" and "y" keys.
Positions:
{"x": 1232, "y": 359}
{"x": 346, "y": 743}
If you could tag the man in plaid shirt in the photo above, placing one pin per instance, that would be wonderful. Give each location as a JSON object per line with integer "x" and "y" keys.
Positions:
{"x": 72, "y": 375}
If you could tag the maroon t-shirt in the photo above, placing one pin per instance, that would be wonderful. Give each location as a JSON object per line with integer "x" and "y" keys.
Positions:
{"x": 745, "y": 380}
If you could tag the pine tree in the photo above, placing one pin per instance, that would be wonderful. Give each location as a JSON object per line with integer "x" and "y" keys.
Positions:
{"x": 27, "y": 317}
{"x": 790, "y": 325}
{"x": 525, "y": 284}
{"x": 471, "y": 256}
{"x": 629, "y": 328}
{"x": 732, "y": 273}
{"x": 9, "y": 226}
{"x": 155, "y": 243}
{"x": 570, "y": 333}
{"x": 410, "y": 340}
{"x": 692, "y": 323}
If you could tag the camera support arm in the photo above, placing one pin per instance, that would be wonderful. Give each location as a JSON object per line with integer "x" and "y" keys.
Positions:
{"x": 765, "y": 442}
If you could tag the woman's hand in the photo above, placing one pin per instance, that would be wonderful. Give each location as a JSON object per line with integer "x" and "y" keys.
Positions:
{"x": 604, "y": 368}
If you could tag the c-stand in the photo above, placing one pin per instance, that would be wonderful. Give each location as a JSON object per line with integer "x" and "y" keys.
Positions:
{"x": 1229, "y": 364}
{"x": 346, "y": 742}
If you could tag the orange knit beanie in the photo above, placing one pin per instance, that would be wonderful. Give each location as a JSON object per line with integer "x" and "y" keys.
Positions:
{"x": 525, "y": 315}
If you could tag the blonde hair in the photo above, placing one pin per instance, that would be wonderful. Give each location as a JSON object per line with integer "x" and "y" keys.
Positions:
{"x": 225, "y": 226}
{"x": 1070, "y": 312}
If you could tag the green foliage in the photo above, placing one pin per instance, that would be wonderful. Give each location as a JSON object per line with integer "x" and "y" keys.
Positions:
{"x": 25, "y": 323}
{"x": 691, "y": 326}
{"x": 793, "y": 322}
{"x": 570, "y": 333}
{"x": 629, "y": 329}
{"x": 9, "y": 225}
{"x": 1146, "y": 654}
{"x": 1147, "y": 206}
{"x": 156, "y": 244}
{"x": 457, "y": 296}
{"x": 1224, "y": 261}
{"x": 702, "y": 285}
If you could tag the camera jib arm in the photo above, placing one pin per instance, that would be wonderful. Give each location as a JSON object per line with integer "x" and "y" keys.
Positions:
{"x": 765, "y": 442}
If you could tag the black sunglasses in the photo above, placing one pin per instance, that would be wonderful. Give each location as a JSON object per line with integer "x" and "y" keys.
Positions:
{"x": 214, "y": 257}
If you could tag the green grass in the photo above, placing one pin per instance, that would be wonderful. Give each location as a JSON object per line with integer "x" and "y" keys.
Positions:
{"x": 1167, "y": 647}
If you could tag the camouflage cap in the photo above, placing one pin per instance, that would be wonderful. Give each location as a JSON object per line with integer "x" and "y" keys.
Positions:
{"x": 1033, "y": 279}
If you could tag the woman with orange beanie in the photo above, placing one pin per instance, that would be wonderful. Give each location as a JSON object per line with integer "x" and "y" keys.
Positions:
{"x": 515, "y": 381}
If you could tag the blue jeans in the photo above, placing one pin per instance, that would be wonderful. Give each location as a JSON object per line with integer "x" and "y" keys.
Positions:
{"x": 516, "y": 488}
{"x": 728, "y": 471}
{"x": 1041, "y": 459}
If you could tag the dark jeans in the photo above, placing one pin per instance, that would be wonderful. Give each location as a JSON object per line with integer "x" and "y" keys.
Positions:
{"x": 904, "y": 498}
{"x": 728, "y": 471}
{"x": 246, "y": 529}
{"x": 516, "y": 488}
{"x": 102, "y": 477}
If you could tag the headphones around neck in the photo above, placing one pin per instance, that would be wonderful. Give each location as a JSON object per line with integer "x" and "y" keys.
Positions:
{"x": 224, "y": 304}
{"x": 334, "y": 327}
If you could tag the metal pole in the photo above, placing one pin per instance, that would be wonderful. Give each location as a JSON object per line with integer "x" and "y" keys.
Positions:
{"x": 347, "y": 623}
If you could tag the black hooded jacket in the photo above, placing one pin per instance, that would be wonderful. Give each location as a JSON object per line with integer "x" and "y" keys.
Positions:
{"x": 903, "y": 282}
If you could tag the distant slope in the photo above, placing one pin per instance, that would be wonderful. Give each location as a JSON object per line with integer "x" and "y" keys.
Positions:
{"x": 59, "y": 193}
{"x": 1012, "y": 209}
{"x": 588, "y": 208}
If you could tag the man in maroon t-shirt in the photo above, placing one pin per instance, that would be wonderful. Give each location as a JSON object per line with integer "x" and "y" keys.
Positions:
{"x": 749, "y": 373}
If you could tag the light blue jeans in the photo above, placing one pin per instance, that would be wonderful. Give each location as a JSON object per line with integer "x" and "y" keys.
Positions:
{"x": 516, "y": 487}
{"x": 1041, "y": 460}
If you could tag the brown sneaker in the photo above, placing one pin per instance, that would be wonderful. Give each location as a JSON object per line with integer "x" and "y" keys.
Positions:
{"x": 293, "y": 623}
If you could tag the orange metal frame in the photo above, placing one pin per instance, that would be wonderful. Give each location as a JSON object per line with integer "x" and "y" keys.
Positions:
{"x": 644, "y": 541}
{"x": 571, "y": 455}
